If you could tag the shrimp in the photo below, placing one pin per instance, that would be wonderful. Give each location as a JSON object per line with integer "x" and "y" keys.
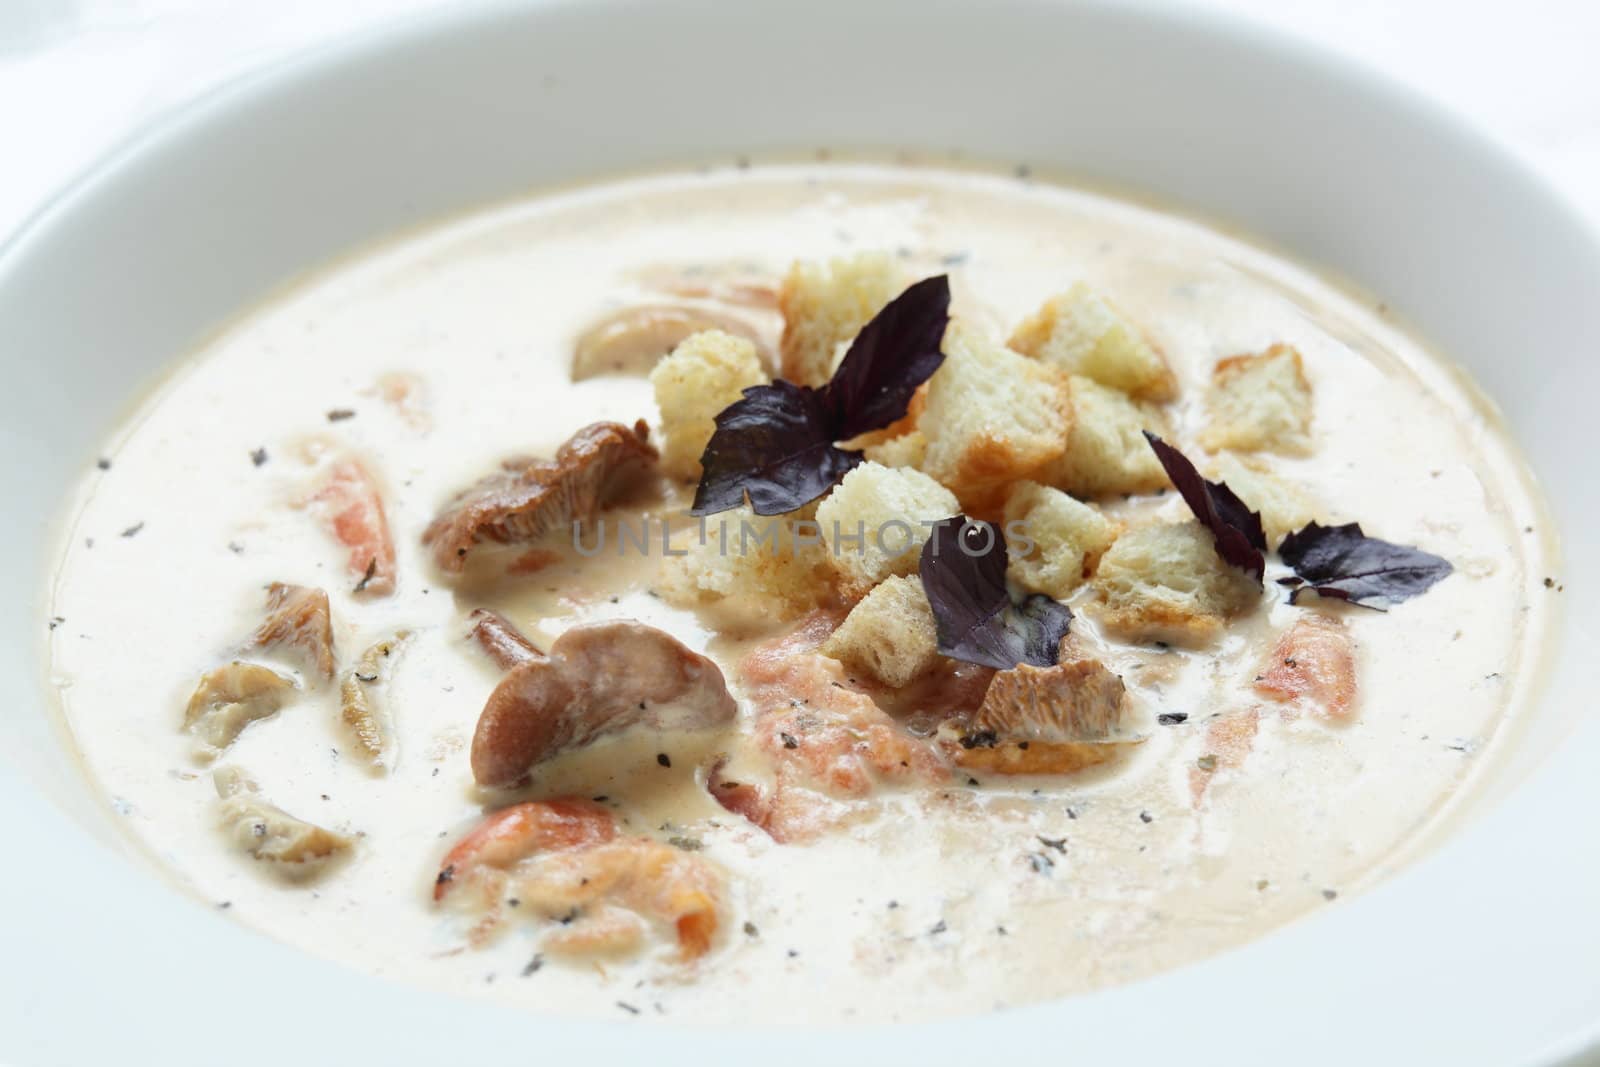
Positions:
{"x": 1313, "y": 662}
{"x": 825, "y": 741}
{"x": 563, "y": 861}
{"x": 349, "y": 501}
{"x": 1229, "y": 739}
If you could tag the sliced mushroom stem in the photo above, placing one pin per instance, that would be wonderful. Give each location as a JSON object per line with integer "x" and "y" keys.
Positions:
{"x": 361, "y": 708}
{"x": 503, "y": 642}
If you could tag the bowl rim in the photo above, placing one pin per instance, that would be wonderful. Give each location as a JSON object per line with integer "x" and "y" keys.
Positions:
{"x": 180, "y": 129}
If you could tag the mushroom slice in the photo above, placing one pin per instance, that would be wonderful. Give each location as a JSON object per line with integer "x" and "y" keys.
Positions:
{"x": 296, "y": 848}
{"x": 298, "y": 619}
{"x": 600, "y": 678}
{"x": 634, "y": 340}
{"x": 504, "y": 643}
{"x": 364, "y": 719}
{"x": 1044, "y": 720}
{"x": 228, "y": 699}
{"x": 528, "y": 499}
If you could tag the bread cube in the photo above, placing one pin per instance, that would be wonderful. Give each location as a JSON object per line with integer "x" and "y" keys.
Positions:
{"x": 750, "y": 566}
{"x": 704, "y": 374}
{"x": 1068, "y": 538}
{"x": 1284, "y": 506}
{"x": 1165, "y": 582}
{"x": 1260, "y": 403}
{"x": 993, "y": 416}
{"x": 1106, "y": 452}
{"x": 907, "y": 450}
{"x": 874, "y": 523}
{"x": 824, "y": 304}
{"x": 889, "y": 635}
{"x": 1083, "y": 333}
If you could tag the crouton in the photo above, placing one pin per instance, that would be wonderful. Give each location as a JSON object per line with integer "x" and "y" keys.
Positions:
{"x": 1260, "y": 403}
{"x": 993, "y": 416}
{"x": 703, "y": 375}
{"x": 1068, "y": 538}
{"x": 889, "y": 635}
{"x": 907, "y": 450}
{"x": 1284, "y": 506}
{"x": 756, "y": 566}
{"x": 826, "y": 303}
{"x": 875, "y": 523}
{"x": 1106, "y": 452}
{"x": 1082, "y": 333}
{"x": 1165, "y": 581}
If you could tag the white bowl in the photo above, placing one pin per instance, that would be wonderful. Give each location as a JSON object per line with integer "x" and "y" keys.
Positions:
{"x": 1485, "y": 951}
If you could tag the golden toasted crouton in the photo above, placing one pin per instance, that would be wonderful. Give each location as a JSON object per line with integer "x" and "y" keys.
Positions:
{"x": 1284, "y": 507}
{"x": 703, "y": 375}
{"x": 754, "y": 565}
{"x": 890, "y": 635}
{"x": 1068, "y": 538}
{"x": 993, "y": 416}
{"x": 1106, "y": 451}
{"x": 826, "y": 303}
{"x": 874, "y": 523}
{"x": 1165, "y": 581}
{"x": 907, "y": 450}
{"x": 1260, "y": 403}
{"x": 1082, "y": 333}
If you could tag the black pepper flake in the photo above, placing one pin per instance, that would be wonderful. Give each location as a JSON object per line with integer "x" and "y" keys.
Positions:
{"x": 793, "y": 953}
{"x": 937, "y": 928}
{"x": 1145, "y": 816}
{"x": 224, "y": 905}
{"x": 1072, "y": 813}
{"x": 1329, "y": 894}
{"x": 236, "y": 548}
{"x": 1549, "y": 583}
{"x": 56, "y": 621}
{"x": 789, "y": 740}
{"x": 372, "y": 569}
{"x": 1040, "y": 863}
{"x": 979, "y": 739}
{"x": 103, "y": 463}
{"x": 532, "y": 967}
{"x": 1172, "y": 718}
{"x": 629, "y": 1008}
{"x": 135, "y": 528}
{"x": 1057, "y": 843}
{"x": 340, "y": 414}
{"x": 513, "y": 902}
{"x": 971, "y": 780}
{"x": 258, "y": 456}
{"x": 750, "y": 930}
{"x": 893, "y": 904}
{"x": 601, "y": 799}
{"x": 663, "y": 759}
{"x": 446, "y": 876}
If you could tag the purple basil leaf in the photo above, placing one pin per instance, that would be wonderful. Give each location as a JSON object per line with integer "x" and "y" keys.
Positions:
{"x": 892, "y": 355}
{"x": 776, "y": 444}
{"x": 1236, "y": 529}
{"x": 963, "y": 572}
{"x": 1344, "y": 563}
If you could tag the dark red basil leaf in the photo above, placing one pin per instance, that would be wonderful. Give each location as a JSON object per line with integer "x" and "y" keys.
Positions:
{"x": 963, "y": 572}
{"x": 1236, "y": 529}
{"x": 892, "y": 355}
{"x": 1344, "y": 563}
{"x": 776, "y": 444}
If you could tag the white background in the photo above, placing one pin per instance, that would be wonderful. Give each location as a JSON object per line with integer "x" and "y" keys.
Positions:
{"x": 76, "y": 76}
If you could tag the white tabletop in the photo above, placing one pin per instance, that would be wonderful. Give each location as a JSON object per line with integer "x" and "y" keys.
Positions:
{"x": 76, "y": 76}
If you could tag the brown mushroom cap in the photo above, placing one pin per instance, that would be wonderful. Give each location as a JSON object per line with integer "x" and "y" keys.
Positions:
{"x": 527, "y": 500}
{"x": 600, "y": 678}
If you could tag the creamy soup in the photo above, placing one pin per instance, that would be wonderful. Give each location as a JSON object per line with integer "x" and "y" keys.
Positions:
{"x": 919, "y": 881}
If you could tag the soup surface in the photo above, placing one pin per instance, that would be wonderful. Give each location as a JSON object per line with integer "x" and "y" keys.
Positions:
{"x": 898, "y": 894}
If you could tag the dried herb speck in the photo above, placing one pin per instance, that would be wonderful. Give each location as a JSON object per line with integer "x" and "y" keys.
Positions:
{"x": 340, "y": 414}
{"x": 1172, "y": 718}
{"x": 134, "y": 529}
{"x": 663, "y": 759}
{"x": 258, "y": 457}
